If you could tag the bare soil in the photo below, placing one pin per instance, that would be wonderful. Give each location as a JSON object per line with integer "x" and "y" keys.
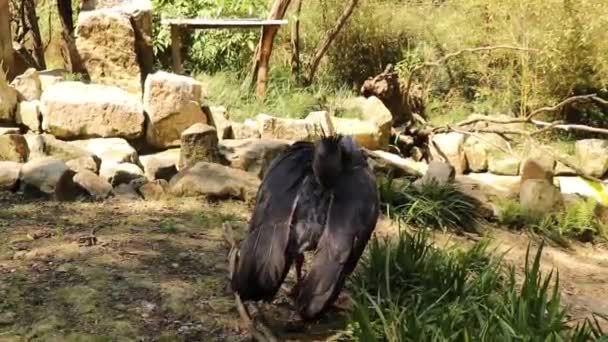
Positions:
{"x": 158, "y": 272}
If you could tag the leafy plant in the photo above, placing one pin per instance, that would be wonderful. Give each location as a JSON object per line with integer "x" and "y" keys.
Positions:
{"x": 210, "y": 50}
{"x": 430, "y": 204}
{"x": 408, "y": 290}
{"x": 577, "y": 220}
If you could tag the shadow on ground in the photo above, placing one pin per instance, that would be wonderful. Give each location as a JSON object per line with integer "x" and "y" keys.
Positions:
{"x": 157, "y": 273}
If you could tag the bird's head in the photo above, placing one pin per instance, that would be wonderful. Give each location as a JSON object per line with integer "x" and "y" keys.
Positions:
{"x": 327, "y": 161}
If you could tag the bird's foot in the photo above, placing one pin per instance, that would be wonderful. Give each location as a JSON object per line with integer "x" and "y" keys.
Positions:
{"x": 344, "y": 302}
{"x": 295, "y": 324}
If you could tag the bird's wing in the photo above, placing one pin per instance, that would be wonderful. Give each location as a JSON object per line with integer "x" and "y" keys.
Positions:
{"x": 263, "y": 262}
{"x": 352, "y": 218}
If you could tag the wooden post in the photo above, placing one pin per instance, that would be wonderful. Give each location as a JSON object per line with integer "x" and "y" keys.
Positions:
{"x": 176, "y": 48}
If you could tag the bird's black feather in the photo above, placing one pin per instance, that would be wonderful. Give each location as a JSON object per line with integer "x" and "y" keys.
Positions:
{"x": 263, "y": 263}
{"x": 352, "y": 218}
{"x": 319, "y": 197}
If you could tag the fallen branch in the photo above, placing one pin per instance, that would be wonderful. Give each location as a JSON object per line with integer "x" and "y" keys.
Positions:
{"x": 445, "y": 58}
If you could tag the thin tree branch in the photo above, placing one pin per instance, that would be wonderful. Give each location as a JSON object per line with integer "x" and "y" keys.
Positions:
{"x": 330, "y": 36}
{"x": 560, "y": 105}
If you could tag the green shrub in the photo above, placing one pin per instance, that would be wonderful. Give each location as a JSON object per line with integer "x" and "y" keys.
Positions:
{"x": 407, "y": 290}
{"x": 431, "y": 204}
{"x": 209, "y": 50}
{"x": 514, "y": 216}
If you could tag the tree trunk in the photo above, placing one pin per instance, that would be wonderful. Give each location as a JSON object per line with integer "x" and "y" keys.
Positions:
{"x": 295, "y": 43}
{"x": 264, "y": 50}
{"x": 71, "y": 58}
{"x": 38, "y": 46}
{"x": 6, "y": 42}
{"x": 326, "y": 42}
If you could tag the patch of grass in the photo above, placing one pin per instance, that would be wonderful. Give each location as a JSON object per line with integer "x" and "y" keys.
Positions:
{"x": 168, "y": 227}
{"x": 514, "y": 216}
{"x": 577, "y": 220}
{"x": 430, "y": 204}
{"x": 284, "y": 98}
{"x": 408, "y": 290}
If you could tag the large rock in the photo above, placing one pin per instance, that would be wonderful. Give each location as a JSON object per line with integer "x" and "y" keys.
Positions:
{"x": 535, "y": 168}
{"x": 8, "y": 100}
{"x": 119, "y": 173}
{"x": 366, "y": 133}
{"x": 173, "y": 104}
{"x": 95, "y": 186}
{"x": 28, "y": 85}
{"x": 51, "y": 77}
{"x": 90, "y": 163}
{"x": 493, "y": 185}
{"x": 252, "y": 155}
{"x": 154, "y": 190}
{"x": 73, "y": 110}
{"x": 504, "y": 165}
{"x": 592, "y": 155}
{"x": 106, "y": 40}
{"x": 374, "y": 111}
{"x": 110, "y": 149}
{"x": 43, "y": 175}
{"x": 372, "y": 131}
{"x": 162, "y": 165}
{"x": 46, "y": 145}
{"x": 140, "y": 15}
{"x": 477, "y": 150}
{"x": 28, "y": 115}
{"x": 214, "y": 181}
{"x": 13, "y": 147}
{"x": 218, "y": 117}
{"x": 583, "y": 187}
{"x": 539, "y": 196}
{"x": 9, "y": 175}
{"x": 450, "y": 148}
{"x": 271, "y": 127}
{"x": 199, "y": 143}
{"x": 438, "y": 172}
{"x": 246, "y": 130}
{"x": 323, "y": 119}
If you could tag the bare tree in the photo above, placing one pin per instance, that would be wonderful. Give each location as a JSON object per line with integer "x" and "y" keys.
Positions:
{"x": 31, "y": 20}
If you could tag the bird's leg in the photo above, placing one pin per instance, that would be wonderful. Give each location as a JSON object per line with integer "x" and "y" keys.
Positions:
{"x": 299, "y": 264}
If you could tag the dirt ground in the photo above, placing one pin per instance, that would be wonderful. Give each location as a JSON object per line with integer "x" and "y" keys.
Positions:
{"x": 158, "y": 272}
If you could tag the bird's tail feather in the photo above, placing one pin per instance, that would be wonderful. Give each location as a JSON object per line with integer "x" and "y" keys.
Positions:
{"x": 263, "y": 265}
{"x": 322, "y": 284}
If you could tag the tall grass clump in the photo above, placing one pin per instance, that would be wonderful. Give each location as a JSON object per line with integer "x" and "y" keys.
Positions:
{"x": 408, "y": 290}
{"x": 429, "y": 204}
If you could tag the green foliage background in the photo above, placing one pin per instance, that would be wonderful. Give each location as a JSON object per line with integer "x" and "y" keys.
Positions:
{"x": 568, "y": 42}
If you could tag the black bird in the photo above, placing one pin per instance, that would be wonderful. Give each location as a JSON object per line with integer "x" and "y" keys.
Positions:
{"x": 319, "y": 197}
